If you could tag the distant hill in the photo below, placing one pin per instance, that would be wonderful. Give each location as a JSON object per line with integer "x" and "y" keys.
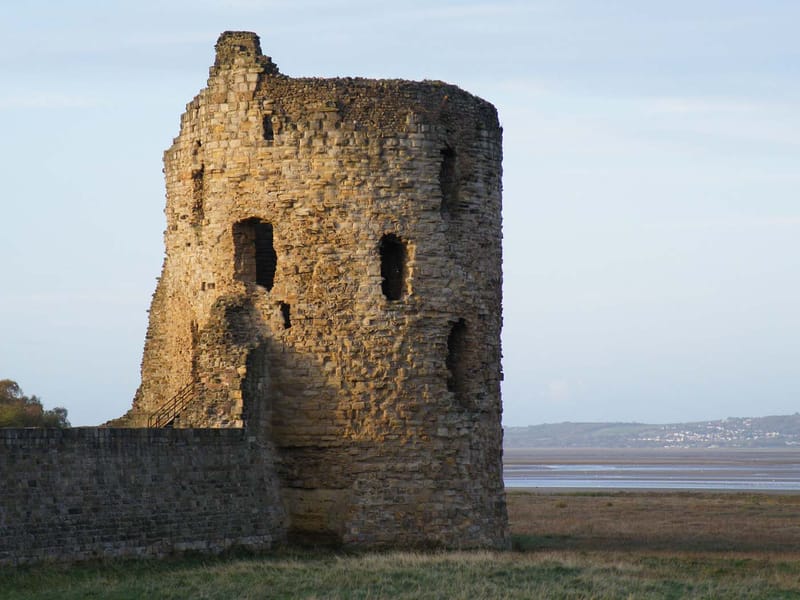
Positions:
{"x": 746, "y": 432}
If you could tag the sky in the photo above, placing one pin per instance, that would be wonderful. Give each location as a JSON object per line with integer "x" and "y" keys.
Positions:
{"x": 651, "y": 210}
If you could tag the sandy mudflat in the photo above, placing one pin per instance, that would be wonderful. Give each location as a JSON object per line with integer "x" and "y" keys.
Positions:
{"x": 766, "y": 470}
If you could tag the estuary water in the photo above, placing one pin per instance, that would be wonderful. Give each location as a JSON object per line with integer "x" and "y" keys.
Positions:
{"x": 660, "y": 469}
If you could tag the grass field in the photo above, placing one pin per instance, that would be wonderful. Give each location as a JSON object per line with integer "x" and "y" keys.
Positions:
{"x": 567, "y": 545}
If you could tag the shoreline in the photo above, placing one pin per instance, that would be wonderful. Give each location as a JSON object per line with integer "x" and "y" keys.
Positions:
{"x": 646, "y": 456}
{"x": 647, "y": 492}
{"x": 678, "y": 470}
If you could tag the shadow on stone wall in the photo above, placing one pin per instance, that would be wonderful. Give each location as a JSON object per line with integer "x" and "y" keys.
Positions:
{"x": 85, "y": 493}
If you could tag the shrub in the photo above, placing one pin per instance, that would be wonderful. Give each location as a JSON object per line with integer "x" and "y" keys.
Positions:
{"x": 19, "y": 410}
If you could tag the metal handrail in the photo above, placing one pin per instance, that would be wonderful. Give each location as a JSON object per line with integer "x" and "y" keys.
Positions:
{"x": 170, "y": 409}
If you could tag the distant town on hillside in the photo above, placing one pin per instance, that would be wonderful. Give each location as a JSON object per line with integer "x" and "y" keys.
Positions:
{"x": 746, "y": 432}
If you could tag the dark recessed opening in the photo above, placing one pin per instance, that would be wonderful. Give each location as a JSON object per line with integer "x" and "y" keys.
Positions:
{"x": 255, "y": 259}
{"x": 456, "y": 357}
{"x": 198, "y": 207}
{"x": 448, "y": 180}
{"x": 266, "y": 258}
{"x": 269, "y": 134}
{"x": 255, "y": 407}
{"x": 393, "y": 258}
{"x": 286, "y": 314}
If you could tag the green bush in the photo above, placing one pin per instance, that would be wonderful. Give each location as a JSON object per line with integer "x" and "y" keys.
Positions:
{"x": 19, "y": 410}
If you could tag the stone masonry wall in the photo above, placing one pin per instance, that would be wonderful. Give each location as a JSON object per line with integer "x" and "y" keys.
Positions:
{"x": 76, "y": 494}
{"x": 332, "y": 281}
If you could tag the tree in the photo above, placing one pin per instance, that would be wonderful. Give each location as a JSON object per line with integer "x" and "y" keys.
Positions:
{"x": 19, "y": 410}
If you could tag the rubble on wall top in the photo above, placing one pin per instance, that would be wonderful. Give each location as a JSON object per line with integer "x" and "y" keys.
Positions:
{"x": 241, "y": 45}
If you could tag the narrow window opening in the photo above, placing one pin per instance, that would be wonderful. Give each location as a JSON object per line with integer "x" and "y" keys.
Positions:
{"x": 198, "y": 205}
{"x": 286, "y": 314}
{"x": 456, "y": 357}
{"x": 393, "y": 258}
{"x": 269, "y": 134}
{"x": 266, "y": 258}
{"x": 255, "y": 257}
{"x": 448, "y": 180}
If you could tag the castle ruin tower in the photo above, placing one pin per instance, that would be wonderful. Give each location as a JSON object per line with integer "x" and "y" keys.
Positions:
{"x": 332, "y": 282}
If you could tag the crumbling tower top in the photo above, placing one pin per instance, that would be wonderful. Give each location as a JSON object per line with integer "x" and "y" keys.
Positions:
{"x": 241, "y": 47}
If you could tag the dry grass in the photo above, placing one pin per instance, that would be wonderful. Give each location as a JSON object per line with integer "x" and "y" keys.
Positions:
{"x": 663, "y": 521}
{"x": 570, "y": 546}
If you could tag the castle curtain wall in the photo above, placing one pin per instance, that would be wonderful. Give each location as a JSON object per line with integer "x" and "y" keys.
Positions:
{"x": 77, "y": 494}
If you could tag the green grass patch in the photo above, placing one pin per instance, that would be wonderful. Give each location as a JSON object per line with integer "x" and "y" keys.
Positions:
{"x": 412, "y": 575}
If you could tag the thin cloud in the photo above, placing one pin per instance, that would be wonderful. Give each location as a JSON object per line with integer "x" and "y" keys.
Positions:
{"x": 480, "y": 9}
{"x": 46, "y": 101}
{"x": 558, "y": 391}
{"x": 152, "y": 39}
{"x": 733, "y": 223}
{"x": 688, "y": 106}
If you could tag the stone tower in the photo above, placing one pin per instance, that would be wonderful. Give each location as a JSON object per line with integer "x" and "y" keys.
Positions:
{"x": 332, "y": 282}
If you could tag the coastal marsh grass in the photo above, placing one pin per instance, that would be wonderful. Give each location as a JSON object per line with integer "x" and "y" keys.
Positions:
{"x": 665, "y": 521}
{"x": 566, "y": 545}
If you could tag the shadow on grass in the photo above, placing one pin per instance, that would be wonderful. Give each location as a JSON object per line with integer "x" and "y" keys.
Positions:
{"x": 533, "y": 543}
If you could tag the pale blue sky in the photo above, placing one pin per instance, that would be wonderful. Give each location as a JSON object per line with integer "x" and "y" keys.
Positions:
{"x": 651, "y": 210}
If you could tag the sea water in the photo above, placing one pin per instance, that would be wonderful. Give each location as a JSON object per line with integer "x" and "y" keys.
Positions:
{"x": 723, "y": 471}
